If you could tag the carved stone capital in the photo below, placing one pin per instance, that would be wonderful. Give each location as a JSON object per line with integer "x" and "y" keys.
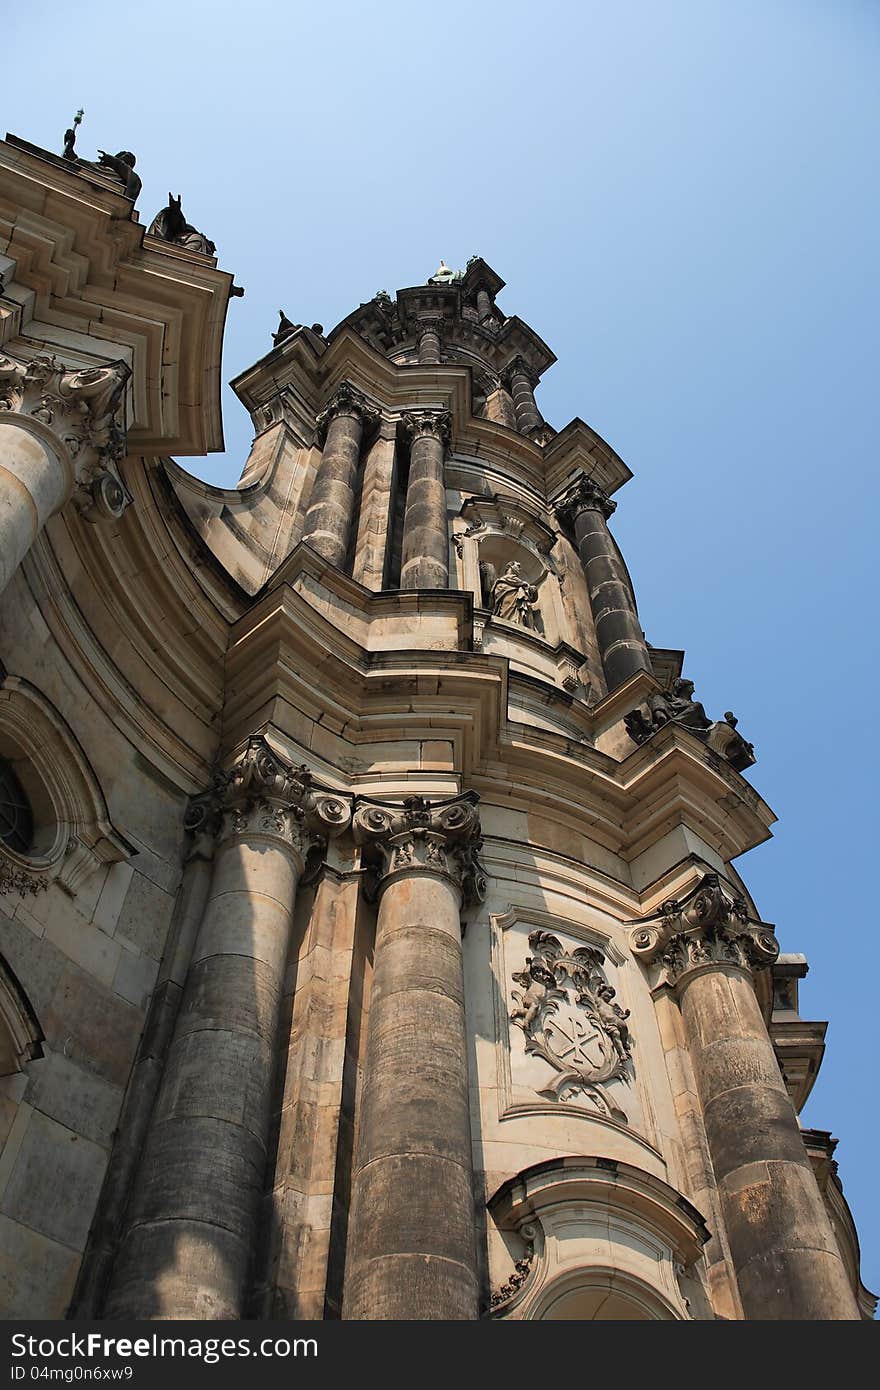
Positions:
{"x": 428, "y": 424}
{"x": 582, "y": 495}
{"x": 434, "y": 326}
{"x": 710, "y": 926}
{"x": 347, "y": 400}
{"x": 263, "y": 795}
{"x": 82, "y": 408}
{"x": 420, "y": 836}
{"x": 519, "y": 367}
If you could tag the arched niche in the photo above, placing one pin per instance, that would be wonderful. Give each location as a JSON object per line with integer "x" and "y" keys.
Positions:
{"x": 21, "y": 1036}
{"x": 499, "y": 530}
{"x": 596, "y": 1239}
{"x": 72, "y": 835}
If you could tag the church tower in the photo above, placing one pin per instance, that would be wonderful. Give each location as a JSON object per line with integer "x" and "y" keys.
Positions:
{"x": 367, "y": 903}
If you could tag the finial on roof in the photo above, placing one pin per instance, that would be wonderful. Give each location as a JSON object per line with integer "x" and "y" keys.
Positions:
{"x": 444, "y": 275}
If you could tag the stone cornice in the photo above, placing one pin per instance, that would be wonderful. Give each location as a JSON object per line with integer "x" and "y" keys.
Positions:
{"x": 78, "y": 263}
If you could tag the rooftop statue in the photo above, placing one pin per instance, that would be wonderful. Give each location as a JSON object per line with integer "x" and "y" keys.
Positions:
{"x": 677, "y": 705}
{"x": 122, "y": 165}
{"x": 70, "y": 137}
{"x": 285, "y": 328}
{"x": 444, "y": 275}
{"x": 171, "y": 225}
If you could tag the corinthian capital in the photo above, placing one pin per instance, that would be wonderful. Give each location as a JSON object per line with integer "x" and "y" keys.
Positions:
{"x": 82, "y": 407}
{"x": 519, "y": 367}
{"x": 708, "y": 927}
{"x": 263, "y": 795}
{"x": 583, "y": 495}
{"x": 430, "y": 424}
{"x": 348, "y": 400}
{"x": 420, "y": 836}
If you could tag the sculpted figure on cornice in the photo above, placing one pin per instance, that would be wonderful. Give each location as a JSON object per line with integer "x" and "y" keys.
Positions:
{"x": 677, "y": 705}
{"x": 709, "y": 925}
{"x": 82, "y": 406}
{"x": 441, "y": 837}
{"x": 122, "y": 165}
{"x": 171, "y": 225}
{"x": 567, "y": 1012}
{"x": 262, "y": 794}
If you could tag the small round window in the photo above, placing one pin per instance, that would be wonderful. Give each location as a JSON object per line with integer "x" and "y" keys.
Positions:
{"x": 16, "y": 816}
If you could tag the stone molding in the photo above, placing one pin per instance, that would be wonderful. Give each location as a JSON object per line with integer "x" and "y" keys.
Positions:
{"x": 262, "y": 795}
{"x": 708, "y": 927}
{"x": 347, "y": 400}
{"x": 430, "y": 424}
{"x": 584, "y": 494}
{"x": 421, "y": 836}
{"x": 81, "y": 407}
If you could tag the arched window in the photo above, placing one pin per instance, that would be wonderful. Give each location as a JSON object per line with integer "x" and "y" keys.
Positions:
{"x": 16, "y": 815}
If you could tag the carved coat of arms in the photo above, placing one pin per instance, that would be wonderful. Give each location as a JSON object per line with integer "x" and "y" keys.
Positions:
{"x": 567, "y": 1012}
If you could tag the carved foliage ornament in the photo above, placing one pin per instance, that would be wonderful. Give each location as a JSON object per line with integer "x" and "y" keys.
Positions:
{"x": 348, "y": 400}
{"x": 428, "y": 424}
{"x": 567, "y": 1012}
{"x": 581, "y": 496}
{"x": 441, "y": 837}
{"x": 709, "y": 926}
{"x": 261, "y": 794}
{"x": 83, "y": 408}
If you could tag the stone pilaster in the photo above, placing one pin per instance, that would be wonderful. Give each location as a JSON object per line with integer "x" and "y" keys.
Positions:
{"x": 584, "y": 509}
{"x": 425, "y": 556}
{"x": 412, "y": 1251}
{"x": 61, "y": 436}
{"x": 521, "y": 380}
{"x": 344, "y": 421}
{"x": 428, "y": 337}
{"x": 786, "y": 1257}
{"x": 191, "y": 1223}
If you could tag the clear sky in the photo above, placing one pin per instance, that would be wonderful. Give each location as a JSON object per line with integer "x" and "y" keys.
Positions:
{"x": 683, "y": 200}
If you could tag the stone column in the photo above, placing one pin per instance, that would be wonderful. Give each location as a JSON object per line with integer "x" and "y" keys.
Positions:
{"x": 425, "y": 557}
{"x": 485, "y": 307}
{"x": 191, "y": 1223}
{"x": 584, "y": 509}
{"x": 787, "y": 1261}
{"x": 521, "y": 380}
{"x": 330, "y": 513}
{"x": 412, "y": 1247}
{"x": 61, "y": 436}
{"x": 428, "y": 331}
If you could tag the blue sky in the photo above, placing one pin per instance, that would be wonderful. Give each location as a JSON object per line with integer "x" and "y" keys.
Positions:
{"x": 682, "y": 198}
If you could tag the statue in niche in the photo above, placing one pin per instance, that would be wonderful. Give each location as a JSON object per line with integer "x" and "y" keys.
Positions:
{"x": 512, "y": 596}
{"x": 171, "y": 225}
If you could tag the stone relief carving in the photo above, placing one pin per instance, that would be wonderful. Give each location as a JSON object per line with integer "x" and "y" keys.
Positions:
{"x": 261, "y": 794}
{"x": 710, "y": 925}
{"x": 83, "y": 407}
{"x": 567, "y": 1012}
{"x": 171, "y": 225}
{"x": 676, "y": 705}
{"x": 433, "y": 836}
{"x": 16, "y": 880}
{"x": 522, "y": 1268}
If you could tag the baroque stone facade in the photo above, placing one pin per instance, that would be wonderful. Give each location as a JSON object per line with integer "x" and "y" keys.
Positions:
{"x": 370, "y": 941}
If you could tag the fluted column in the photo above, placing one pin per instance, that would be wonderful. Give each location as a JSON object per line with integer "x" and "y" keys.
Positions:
{"x": 521, "y": 380}
{"x": 191, "y": 1223}
{"x": 787, "y": 1261}
{"x": 584, "y": 509}
{"x": 61, "y": 436}
{"x": 411, "y": 1250}
{"x": 429, "y": 340}
{"x": 425, "y": 556}
{"x": 330, "y": 512}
